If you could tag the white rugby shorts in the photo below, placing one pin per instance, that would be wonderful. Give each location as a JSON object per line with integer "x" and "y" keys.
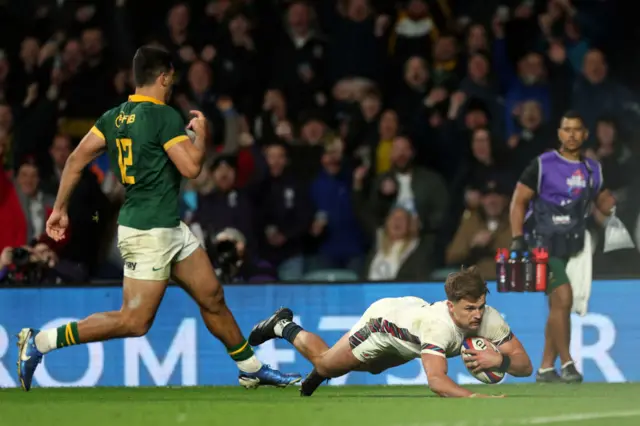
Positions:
{"x": 149, "y": 254}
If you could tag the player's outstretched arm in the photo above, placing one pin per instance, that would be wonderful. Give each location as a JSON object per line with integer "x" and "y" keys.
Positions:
{"x": 514, "y": 354}
{"x": 90, "y": 147}
{"x": 439, "y": 382}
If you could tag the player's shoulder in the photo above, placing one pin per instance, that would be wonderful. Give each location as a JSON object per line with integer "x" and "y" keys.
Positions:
{"x": 111, "y": 113}
{"x": 492, "y": 319}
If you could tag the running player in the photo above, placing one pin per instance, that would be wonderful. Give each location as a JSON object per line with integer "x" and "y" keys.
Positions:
{"x": 147, "y": 144}
{"x": 394, "y": 331}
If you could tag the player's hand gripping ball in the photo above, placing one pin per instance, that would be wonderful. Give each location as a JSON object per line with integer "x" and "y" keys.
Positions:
{"x": 487, "y": 375}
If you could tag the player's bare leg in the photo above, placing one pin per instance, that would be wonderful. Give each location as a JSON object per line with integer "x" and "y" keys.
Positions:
{"x": 327, "y": 362}
{"x": 140, "y": 301}
{"x": 195, "y": 274}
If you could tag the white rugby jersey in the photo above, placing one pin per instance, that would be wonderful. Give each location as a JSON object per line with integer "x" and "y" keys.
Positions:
{"x": 420, "y": 327}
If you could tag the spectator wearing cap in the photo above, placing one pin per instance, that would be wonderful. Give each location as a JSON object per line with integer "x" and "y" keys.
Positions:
{"x": 399, "y": 253}
{"x": 224, "y": 205}
{"x": 36, "y": 204}
{"x": 341, "y": 240}
{"x": 483, "y": 231}
{"x": 285, "y": 215}
{"x": 408, "y": 184}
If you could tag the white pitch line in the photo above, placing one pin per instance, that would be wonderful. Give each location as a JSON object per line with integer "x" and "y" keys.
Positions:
{"x": 577, "y": 417}
{"x": 547, "y": 420}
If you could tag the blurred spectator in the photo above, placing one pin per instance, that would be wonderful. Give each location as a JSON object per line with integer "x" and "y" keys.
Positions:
{"x": 342, "y": 242}
{"x": 595, "y": 94}
{"x": 483, "y": 231}
{"x": 13, "y": 232}
{"x": 463, "y": 117}
{"x": 59, "y": 152}
{"x": 306, "y": 153}
{"x": 199, "y": 95}
{"x": 616, "y": 159}
{"x": 481, "y": 85}
{"x": 532, "y": 139}
{"x": 413, "y": 89}
{"x": 6, "y": 137}
{"x": 388, "y": 128}
{"x": 274, "y": 112}
{"x": 220, "y": 204}
{"x": 285, "y": 215}
{"x": 481, "y": 167}
{"x": 414, "y": 32}
{"x": 36, "y": 205}
{"x": 446, "y": 65}
{"x": 299, "y": 65}
{"x": 399, "y": 253}
{"x": 414, "y": 187}
{"x": 476, "y": 40}
{"x": 354, "y": 49}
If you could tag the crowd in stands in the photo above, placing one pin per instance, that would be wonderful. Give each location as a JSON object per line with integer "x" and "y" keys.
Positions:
{"x": 378, "y": 137}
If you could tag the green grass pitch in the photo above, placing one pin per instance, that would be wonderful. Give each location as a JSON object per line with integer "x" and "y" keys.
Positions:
{"x": 584, "y": 405}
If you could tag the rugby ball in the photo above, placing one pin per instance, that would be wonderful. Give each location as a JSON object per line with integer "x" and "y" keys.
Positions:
{"x": 489, "y": 377}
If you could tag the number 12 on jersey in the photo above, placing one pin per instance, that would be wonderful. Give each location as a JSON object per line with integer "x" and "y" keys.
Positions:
{"x": 125, "y": 159}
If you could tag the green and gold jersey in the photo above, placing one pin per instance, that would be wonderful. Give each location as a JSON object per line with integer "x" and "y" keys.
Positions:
{"x": 137, "y": 135}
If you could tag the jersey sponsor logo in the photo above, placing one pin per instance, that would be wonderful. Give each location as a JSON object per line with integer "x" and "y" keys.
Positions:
{"x": 130, "y": 265}
{"x": 122, "y": 118}
{"x": 576, "y": 183}
{"x": 156, "y": 269}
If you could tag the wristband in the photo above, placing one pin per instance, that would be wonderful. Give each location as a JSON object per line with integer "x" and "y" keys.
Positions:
{"x": 506, "y": 363}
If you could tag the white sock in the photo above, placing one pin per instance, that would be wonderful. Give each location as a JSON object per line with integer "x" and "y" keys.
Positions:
{"x": 251, "y": 365}
{"x": 280, "y": 325}
{"x": 46, "y": 340}
{"x": 545, "y": 370}
{"x": 566, "y": 364}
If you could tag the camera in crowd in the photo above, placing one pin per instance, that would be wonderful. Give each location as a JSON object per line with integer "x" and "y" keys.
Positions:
{"x": 28, "y": 264}
{"x": 226, "y": 250}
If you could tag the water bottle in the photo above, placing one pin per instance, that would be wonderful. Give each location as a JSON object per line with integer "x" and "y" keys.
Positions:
{"x": 528, "y": 272}
{"x": 541, "y": 258}
{"x": 514, "y": 270}
{"x": 501, "y": 270}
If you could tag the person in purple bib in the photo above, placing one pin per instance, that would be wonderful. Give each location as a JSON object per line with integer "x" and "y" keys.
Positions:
{"x": 549, "y": 208}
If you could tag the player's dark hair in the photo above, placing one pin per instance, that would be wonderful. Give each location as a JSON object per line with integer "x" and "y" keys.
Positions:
{"x": 466, "y": 284}
{"x": 572, "y": 115}
{"x": 148, "y": 63}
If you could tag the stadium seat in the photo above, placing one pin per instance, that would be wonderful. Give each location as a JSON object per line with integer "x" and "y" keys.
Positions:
{"x": 331, "y": 275}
